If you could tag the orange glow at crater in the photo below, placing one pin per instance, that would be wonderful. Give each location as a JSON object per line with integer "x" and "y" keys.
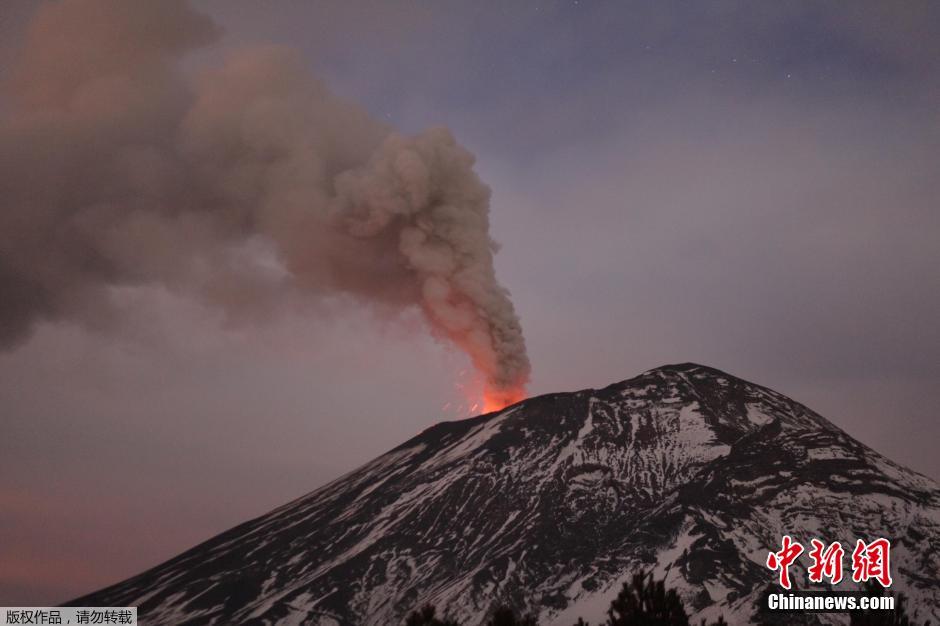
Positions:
{"x": 479, "y": 397}
{"x": 496, "y": 399}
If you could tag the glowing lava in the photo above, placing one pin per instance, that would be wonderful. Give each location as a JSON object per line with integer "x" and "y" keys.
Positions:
{"x": 480, "y": 397}
{"x": 496, "y": 399}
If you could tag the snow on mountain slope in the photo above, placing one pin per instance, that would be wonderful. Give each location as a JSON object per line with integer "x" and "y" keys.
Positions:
{"x": 550, "y": 504}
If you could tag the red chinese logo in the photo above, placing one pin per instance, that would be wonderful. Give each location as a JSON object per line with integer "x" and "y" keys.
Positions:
{"x": 783, "y": 559}
{"x": 872, "y": 560}
{"x": 869, "y": 561}
{"x": 826, "y": 563}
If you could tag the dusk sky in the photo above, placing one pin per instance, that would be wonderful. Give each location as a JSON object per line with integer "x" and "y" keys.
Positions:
{"x": 750, "y": 186}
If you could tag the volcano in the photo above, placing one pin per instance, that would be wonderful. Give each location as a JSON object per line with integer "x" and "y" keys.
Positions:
{"x": 549, "y": 505}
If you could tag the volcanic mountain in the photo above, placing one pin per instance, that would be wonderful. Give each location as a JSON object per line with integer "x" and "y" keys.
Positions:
{"x": 550, "y": 504}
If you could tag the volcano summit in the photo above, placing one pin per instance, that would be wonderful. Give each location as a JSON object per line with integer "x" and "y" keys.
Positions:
{"x": 550, "y": 504}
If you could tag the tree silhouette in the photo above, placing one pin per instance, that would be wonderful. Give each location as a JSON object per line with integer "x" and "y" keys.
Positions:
{"x": 505, "y": 616}
{"x": 427, "y": 616}
{"x": 642, "y": 602}
{"x": 646, "y": 602}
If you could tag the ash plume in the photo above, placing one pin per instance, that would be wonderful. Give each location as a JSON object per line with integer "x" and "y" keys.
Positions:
{"x": 118, "y": 168}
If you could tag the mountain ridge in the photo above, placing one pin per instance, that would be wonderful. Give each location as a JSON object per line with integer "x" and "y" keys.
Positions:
{"x": 549, "y": 503}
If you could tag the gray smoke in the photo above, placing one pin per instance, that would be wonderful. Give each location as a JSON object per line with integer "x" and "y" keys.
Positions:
{"x": 119, "y": 169}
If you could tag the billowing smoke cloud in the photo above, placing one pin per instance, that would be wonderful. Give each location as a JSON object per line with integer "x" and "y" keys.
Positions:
{"x": 117, "y": 168}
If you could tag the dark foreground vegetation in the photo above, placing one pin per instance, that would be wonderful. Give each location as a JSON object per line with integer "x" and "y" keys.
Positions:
{"x": 646, "y": 602}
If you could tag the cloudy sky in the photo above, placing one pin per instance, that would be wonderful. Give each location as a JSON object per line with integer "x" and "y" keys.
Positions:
{"x": 751, "y": 186}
